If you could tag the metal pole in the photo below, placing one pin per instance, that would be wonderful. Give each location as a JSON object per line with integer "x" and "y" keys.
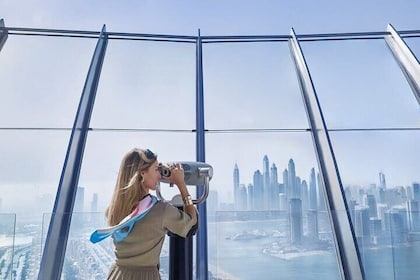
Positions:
{"x": 345, "y": 241}
{"x": 201, "y": 242}
{"x": 405, "y": 59}
{"x": 56, "y": 242}
{"x": 3, "y": 34}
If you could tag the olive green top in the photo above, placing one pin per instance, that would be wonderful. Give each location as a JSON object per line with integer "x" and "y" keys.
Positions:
{"x": 143, "y": 245}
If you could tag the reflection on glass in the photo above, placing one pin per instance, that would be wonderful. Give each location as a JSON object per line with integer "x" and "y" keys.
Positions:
{"x": 266, "y": 209}
{"x": 381, "y": 180}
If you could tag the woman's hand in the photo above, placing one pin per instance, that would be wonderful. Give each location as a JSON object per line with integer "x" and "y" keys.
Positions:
{"x": 177, "y": 174}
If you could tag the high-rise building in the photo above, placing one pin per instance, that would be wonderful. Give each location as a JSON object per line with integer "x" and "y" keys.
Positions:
{"x": 274, "y": 187}
{"x": 291, "y": 180}
{"x": 312, "y": 218}
{"x": 321, "y": 197}
{"x": 251, "y": 197}
{"x": 267, "y": 188}
{"x": 295, "y": 221}
{"x": 370, "y": 202}
{"x": 312, "y": 190}
{"x": 304, "y": 195}
{"x": 361, "y": 223}
{"x": 212, "y": 201}
{"x": 416, "y": 191}
{"x": 236, "y": 185}
{"x": 243, "y": 198}
{"x": 258, "y": 190}
{"x": 413, "y": 215}
{"x": 382, "y": 181}
{"x": 94, "y": 203}
{"x": 286, "y": 183}
{"x": 80, "y": 200}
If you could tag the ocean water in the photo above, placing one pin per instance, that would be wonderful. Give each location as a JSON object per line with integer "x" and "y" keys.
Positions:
{"x": 246, "y": 260}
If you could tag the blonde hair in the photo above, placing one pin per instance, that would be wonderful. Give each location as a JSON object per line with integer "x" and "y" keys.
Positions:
{"x": 128, "y": 188}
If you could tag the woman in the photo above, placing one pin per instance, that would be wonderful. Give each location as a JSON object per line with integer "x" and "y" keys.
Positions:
{"x": 137, "y": 255}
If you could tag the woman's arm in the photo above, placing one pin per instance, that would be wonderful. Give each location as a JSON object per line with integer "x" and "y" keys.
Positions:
{"x": 177, "y": 177}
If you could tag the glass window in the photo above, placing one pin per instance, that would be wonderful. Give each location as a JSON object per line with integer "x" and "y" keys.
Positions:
{"x": 251, "y": 85}
{"x": 41, "y": 80}
{"x": 103, "y": 154}
{"x": 360, "y": 85}
{"x": 266, "y": 211}
{"x": 414, "y": 45}
{"x": 9, "y": 242}
{"x": 147, "y": 85}
{"x": 379, "y": 171}
{"x": 30, "y": 167}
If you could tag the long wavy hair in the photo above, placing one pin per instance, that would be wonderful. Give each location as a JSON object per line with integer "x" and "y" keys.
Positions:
{"x": 129, "y": 186}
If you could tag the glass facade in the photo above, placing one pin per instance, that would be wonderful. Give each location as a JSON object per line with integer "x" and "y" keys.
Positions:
{"x": 273, "y": 211}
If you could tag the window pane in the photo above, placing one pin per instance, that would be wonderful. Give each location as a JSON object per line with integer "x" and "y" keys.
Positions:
{"x": 379, "y": 170}
{"x": 360, "y": 85}
{"x": 146, "y": 85}
{"x": 9, "y": 242}
{"x": 41, "y": 80}
{"x": 251, "y": 86}
{"x": 268, "y": 215}
{"x": 414, "y": 45}
{"x": 99, "y": 172}
{"x": 30, "y": 170}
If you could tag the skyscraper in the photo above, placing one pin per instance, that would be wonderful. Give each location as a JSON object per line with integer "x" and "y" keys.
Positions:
{"x": 267, "y": 189}
{"x": 416, "y": 191}
{"x": 370, "y": 202}
{"x": 258, "y": 190}
{"x": 236, "y": 185}
{"x": 382, "y": 181}
{"x": 312, "y": 216}
{"x": 312, "y": 191}
{"x": 291, "y": 180}
{"x": 94, "y": 203}
{"x": 413, "y": 215}
{"x": 286, "y": 183}
{"x": 296, "y": 221}
{"x": 274, "y": 187}
{"x": 80, "y": 200}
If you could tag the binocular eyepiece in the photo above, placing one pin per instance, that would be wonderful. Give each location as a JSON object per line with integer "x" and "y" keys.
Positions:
{"x": 164, "y": 170}
{"x": 195, "y": 173}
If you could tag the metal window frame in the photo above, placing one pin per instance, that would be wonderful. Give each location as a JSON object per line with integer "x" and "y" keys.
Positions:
{"x": 405, "y": 58}
{"x": 201, "y": 241}
{"x": 348, "y": 254}
{"x": 351, "y": 266}
{"x": 3, "y": 33}
{"x": 55, "y": 245}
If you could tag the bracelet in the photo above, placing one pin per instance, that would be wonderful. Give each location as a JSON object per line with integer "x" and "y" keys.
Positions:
{"x": 188, "y": 200}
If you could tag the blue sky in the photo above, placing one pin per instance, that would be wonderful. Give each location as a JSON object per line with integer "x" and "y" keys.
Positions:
{"x": 232, "y": 72}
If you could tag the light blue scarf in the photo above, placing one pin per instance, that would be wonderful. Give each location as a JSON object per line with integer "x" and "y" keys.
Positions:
{"x": 123, "y": 229}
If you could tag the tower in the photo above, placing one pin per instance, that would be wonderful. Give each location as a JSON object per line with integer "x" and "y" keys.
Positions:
{"x": 236, "y": 185}
{"x": 266, "y": 178}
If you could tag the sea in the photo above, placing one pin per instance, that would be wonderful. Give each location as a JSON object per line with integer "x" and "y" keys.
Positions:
{"x": 247, "y": 259}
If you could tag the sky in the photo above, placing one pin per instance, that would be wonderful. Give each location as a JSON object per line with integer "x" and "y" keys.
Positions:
{"x": 251, "y": 74}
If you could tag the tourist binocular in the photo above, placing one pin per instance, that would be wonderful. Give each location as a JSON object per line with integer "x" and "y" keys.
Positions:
{"x": 195, "y": 174}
